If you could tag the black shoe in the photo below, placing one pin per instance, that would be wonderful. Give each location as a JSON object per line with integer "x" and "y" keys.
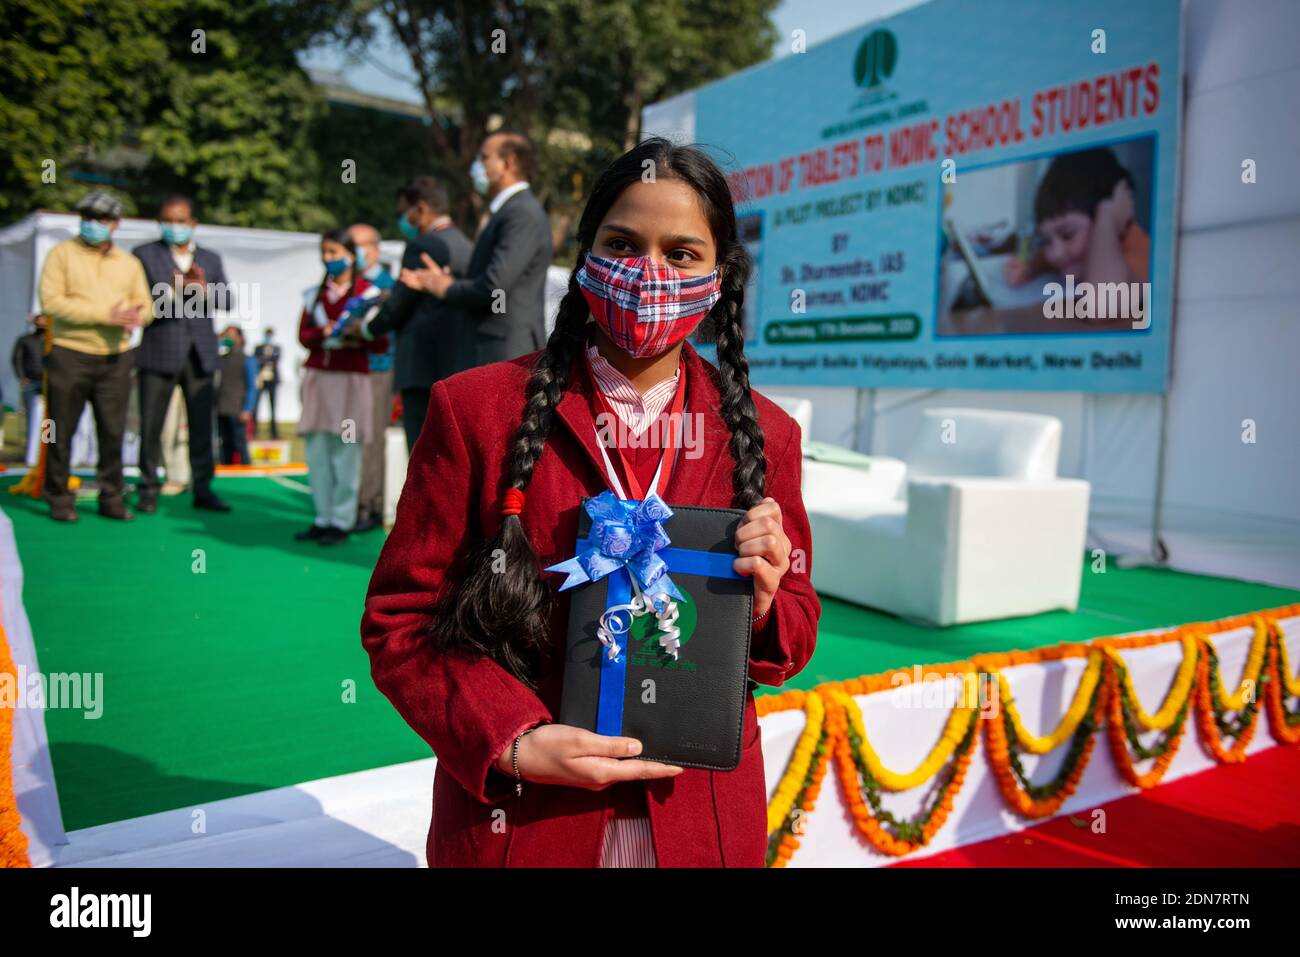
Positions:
{"x": 63, "y": 513}
{"x": 146, "y": 503}
{"x": 316, "y": 531}
{"x": 365, "y": 523}
{"x": 211, "y": 503}
{"x": 332, "y": 536}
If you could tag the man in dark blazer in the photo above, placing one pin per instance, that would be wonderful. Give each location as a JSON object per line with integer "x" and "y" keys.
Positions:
{"x": 179, "y": 348}
{"x": 432, "y": 339}
{"x": 503, "y": 294}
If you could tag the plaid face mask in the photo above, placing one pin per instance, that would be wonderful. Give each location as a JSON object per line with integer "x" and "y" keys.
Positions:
{"x": 644, "y": 306}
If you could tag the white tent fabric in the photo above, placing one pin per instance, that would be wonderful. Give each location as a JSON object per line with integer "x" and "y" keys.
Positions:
{"x": 33, "y": 772}
{"x": 1229, "y": 506}
{"x": 269, "y": 268}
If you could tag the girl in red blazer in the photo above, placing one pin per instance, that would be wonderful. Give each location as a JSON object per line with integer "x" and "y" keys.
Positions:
{"x": 465, "y": 631}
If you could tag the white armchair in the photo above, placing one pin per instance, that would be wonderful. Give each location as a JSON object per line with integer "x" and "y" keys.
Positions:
{"x": 800, "y": 410}
{"x": 974, "y": 525}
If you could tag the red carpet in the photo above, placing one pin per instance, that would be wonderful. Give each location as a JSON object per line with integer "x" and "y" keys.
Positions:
{"x": 1245, "y": 815}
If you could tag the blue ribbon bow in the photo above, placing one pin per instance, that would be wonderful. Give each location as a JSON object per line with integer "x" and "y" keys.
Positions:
{"x": 627, "y": 538}
{"x": 627, "y": 534}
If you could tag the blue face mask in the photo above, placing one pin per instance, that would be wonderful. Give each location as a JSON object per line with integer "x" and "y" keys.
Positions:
{"x": 361, "y": 259}
{"x": 93, "y": 231}
{"x": 177, "y": 234}
{"x": 479, "y": 177}
{"x": 408, "y": 230}
{"x": 336, "y": 267}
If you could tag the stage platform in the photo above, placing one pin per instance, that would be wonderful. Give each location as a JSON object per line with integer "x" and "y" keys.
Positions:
{"x": 232, "y": 664}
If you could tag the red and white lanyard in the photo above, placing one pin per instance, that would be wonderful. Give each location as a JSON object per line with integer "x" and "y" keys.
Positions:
{"x": 611, "y": 626}
{"x": 669, "y": 454}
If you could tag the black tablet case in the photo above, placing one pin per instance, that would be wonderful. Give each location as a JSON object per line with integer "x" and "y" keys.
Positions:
{"x": 697, "y": 716}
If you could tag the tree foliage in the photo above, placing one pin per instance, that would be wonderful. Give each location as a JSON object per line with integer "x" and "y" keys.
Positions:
{"x": 207, "y": 97}
{"x": 154, "y": 96}
{"x": 556, "y": 68}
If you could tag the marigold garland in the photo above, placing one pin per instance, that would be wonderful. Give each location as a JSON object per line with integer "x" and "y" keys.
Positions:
{"x": 1206, "y": 714}
{"x": 853, "y": 779}
{"x": 796, "y": 773}
{"x": 1291, "y": 684}
{"x": 784, "y": 841}
{"x": 1178, "y": 693}
{"x": 1249, "y": 684}
{"x": 1083, "y": 695}
{"x": 959, "y": 719}
{"x": 13, "y": 842}
{"x": 1113, "y": 696}
{"x": 1000, "y": 757}
{"x": 1284, "y": 723}
{"x": 1125, "y": 711}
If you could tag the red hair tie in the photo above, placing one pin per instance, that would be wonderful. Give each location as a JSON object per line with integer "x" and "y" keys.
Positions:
{"x": 513, "y": 503}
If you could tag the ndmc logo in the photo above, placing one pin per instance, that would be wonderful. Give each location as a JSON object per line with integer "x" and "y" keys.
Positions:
{"x": 875, "y": 59}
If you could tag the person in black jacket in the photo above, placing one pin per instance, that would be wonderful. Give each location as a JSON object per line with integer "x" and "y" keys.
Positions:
{"x": 432, "y": 339}
{"x": 179, "y": 347}
{"x": 268, "y": 375}
{"x": 503, "y": 294}
{"x": 28, "y": 360}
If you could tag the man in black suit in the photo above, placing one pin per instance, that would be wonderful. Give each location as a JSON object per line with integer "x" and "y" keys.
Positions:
{"x": 432, "y": 339}
{"x": 179, "y": 348}
{"x": 503, "y": 294}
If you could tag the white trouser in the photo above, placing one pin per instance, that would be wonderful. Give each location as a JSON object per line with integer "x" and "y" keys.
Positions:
{"x": 334, "y": 474}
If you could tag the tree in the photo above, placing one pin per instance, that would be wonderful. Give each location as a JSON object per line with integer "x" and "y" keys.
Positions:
{"x": 234, "y": 120}
{"x": 572, "y": 74}
{"x": 70, "y": 88}
{"x": 156, "y": 96}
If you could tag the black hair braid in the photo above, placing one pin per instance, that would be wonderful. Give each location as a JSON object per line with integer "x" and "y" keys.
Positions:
{"x": 503, "y": 592}
{"x": 501, "y": 608}
{"x": 738, "y": 410}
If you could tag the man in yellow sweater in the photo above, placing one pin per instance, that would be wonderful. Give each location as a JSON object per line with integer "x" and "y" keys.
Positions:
{"x": 96, "y": 295}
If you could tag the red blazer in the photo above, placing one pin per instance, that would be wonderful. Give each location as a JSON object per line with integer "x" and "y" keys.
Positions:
{"x": 470, "y": 709}
{"x": 349, "y": 358}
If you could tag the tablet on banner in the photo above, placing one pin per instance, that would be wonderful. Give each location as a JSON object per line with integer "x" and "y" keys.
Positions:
{"x": 943, "y": 200}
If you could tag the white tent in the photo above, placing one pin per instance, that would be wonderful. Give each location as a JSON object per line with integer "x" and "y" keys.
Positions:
{"x": 271, "y": 267}
{"x": 1227, "y": 506}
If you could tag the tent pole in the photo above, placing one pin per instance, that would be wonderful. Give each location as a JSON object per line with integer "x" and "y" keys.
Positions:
{"x": 1158, "y": 550}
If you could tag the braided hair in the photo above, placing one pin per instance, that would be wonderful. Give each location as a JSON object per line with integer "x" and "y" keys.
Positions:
{"x": 506, "y": 617}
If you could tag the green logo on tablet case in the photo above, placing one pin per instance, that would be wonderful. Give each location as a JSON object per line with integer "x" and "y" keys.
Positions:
{"x": 644, "y": 635}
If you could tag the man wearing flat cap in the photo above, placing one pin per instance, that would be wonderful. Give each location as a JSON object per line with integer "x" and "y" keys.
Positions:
{"x": 95, "y": 295}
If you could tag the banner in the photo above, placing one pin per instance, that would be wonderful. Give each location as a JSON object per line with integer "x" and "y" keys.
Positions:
{"x": 966, "y": 195}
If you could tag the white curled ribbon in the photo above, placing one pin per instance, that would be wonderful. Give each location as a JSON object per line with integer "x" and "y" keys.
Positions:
{"x": 641, "y": 604}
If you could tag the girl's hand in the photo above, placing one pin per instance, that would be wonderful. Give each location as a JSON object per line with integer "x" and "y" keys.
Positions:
{"x": 764, "y": 552}
{"x": 1017, "y": 271}
{"x": 563, "y": 754}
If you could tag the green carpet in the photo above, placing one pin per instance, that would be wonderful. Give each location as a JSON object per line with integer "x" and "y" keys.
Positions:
{"x": 238, "y": 678}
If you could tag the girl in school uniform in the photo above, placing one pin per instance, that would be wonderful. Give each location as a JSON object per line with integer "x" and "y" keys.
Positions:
{"x": 337, "y": 400}
{"x": 465, "y": 631}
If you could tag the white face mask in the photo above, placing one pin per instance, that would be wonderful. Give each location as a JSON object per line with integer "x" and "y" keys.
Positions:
{"x": 478, "y": 174}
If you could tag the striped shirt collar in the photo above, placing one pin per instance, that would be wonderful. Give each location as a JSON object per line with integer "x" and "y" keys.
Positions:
{"x": 636, "y": 410}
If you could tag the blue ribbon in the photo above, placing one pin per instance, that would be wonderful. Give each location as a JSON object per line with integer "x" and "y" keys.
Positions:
{"x": 627, "y": 538}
